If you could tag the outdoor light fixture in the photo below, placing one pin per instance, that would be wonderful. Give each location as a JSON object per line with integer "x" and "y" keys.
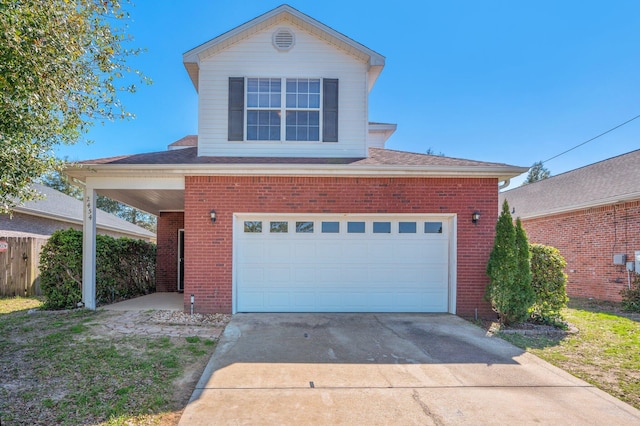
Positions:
{"x": 475, "y": 217}
{"x": 213, "y": 216}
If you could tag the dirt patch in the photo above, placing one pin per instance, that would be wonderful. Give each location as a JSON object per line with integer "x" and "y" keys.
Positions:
{"x": 55, "y": 365}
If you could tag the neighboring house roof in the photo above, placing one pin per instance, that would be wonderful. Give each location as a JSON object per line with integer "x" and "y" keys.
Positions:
{"x": 610, "y": 181}
{"x": 62, "y": 207}
{"x": 285, "y": 12}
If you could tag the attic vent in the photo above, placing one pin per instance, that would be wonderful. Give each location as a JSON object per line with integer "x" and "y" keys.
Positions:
{"x": 283, "y": 39}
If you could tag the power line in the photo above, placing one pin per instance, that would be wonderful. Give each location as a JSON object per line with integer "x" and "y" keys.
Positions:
{"x": 594, "y": 138}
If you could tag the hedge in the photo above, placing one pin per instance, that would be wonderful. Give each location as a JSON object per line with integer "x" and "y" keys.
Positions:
{"x": 125, "y": 268}
{"x": 548, "y": 282}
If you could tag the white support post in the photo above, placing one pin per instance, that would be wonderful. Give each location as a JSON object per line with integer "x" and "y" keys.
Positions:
{"x": 89, "y": 249}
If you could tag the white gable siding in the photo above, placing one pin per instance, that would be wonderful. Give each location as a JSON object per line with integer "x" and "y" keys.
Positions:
{"x": 309, "y": 58}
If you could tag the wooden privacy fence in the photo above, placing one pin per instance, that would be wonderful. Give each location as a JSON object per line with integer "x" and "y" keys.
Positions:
{"x": 19, "y": 266}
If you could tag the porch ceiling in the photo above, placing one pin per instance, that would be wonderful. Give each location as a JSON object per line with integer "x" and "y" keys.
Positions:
{"x": 149, "y": 200}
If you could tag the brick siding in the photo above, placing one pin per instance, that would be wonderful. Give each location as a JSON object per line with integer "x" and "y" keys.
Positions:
{"x": 588, "y": 239}
{"x": 208, "y": 247}
{"x": 167, "y": 254}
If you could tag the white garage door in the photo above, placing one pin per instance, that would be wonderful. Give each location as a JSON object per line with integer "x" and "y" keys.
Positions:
{"x": 346, "y": 263}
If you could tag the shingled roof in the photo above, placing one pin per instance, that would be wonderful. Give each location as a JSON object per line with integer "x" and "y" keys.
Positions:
{"x": 377, "y": 156}
{"x": 614, "y": 180}
{"x": 59, "y": 206}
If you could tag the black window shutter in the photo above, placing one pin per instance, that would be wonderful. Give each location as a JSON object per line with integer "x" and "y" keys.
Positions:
{"x": 330, "y": 110}
{"x": 236, "y": 108}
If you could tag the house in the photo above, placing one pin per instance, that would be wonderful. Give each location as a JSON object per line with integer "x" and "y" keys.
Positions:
{"x": 288, "y": 201}
{"x": 592, "y": 215}
{"x": 41, "y": 218}
{"x": 25, "y": 232}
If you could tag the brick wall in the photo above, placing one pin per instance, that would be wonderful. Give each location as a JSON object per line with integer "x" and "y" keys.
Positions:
{"x": 167, "y": 255}
{"x": 588, "y": 239}
{"x": 208, "y": 247}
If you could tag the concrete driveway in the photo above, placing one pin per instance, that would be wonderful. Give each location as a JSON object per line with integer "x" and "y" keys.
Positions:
{"x": 379, "y": 369}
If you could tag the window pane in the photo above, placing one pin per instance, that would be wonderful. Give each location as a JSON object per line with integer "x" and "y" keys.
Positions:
{"x": 314, "y": 134}
{"x": 252, "y": 84}
{"x": 314, "y": 85}
{"x": 314, "y": 118}
{"x": 330, "y": 227}
{"x": 303, "y": 101}
{"x": 274, "y": 133}
{"x": 381, "y": 227}
{"x": 291, "y": 100}
{"x": 252, "y": 133}
{"x": 252, "y": 226}
{"x": 292, "y": 85}
{"x": 407, "y": 227}
{"x": 263, "y": 133}
{"x": 252, "y": 117}
{"x": 275, "y": 100}
{"x": 304, "y": 227}
{"x": 433, "y": 227}
{"x": 291, "y": 133}
{"x": 279, "y": 227}
{"x": 275, "y": 85}
{"x": 252, "y": 100}
{"x": 314, "y": 101}
{"x": 355, "y": 227}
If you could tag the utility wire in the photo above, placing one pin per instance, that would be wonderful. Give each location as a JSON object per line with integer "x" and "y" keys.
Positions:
{"x": 594, "y": 138}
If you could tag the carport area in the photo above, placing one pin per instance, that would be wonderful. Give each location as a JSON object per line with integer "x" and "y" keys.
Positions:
{"x": 423, "y": 369}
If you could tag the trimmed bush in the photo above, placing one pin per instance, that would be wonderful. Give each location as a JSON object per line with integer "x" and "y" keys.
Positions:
{"x": 125, "y": 268}
{"x": 631, "y": 296}
{"x": 549, "y": 283}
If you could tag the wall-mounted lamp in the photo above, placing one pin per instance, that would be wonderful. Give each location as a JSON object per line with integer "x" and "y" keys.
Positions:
{"x": 475, "y": 217}
{"x": 213, "y": 216}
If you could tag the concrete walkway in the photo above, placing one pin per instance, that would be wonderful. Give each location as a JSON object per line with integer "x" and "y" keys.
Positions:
{"x": 377, "y": 369}
{"x": 153, "y": 301}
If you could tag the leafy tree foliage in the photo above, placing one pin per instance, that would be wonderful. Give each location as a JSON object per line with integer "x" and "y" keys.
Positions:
{"x": 60, "y": 183}
{"x": 549, "y": 283}
{"x": 62, "y": 66}
{"x": 537, "y": 172}
{"x": 509, "y": 288}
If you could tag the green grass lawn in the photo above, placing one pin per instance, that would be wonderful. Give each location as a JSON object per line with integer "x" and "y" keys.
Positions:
{"x": 605, "y": 352}
{"x": 54, "y": 369}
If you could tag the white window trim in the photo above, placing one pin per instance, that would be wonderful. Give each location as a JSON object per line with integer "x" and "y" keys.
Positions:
{"x": 283, "y": 108}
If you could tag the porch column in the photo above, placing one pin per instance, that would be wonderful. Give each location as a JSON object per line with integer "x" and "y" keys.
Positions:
{"x": 89, "y": 248}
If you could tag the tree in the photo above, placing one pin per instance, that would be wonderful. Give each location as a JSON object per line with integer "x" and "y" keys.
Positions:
{"x": 509, "y": 289}
{"x": 62, "y": 66}
{"x": 537, "y": 172}
{"x": 61, "y": 183}
{"x": 430, "y": 151}
{"x": 523, "y": 289}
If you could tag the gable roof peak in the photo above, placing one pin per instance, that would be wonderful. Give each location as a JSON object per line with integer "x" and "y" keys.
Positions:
{"x": 191, "y": 58}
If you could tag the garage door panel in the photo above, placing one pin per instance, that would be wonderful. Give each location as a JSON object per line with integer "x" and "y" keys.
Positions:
{"x": 340, "y": 272}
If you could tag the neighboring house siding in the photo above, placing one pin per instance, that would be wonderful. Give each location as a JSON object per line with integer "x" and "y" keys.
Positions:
{"x": 208, "y": 256}
{"x": 167, "y": 254}
{"x": 588, "y": 239}
{"x": 309, "y": 58}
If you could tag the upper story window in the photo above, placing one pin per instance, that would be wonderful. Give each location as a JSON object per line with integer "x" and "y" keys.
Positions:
{"x": 309, "y": 107}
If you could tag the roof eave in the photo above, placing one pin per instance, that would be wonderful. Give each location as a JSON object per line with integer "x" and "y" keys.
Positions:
{"x": 67, "y": 219}
{"x": 499, "y": 172}
{"x": 615, "y": 199}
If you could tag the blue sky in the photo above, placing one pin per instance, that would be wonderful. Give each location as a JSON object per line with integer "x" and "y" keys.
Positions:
{"x": 501, "y": 81}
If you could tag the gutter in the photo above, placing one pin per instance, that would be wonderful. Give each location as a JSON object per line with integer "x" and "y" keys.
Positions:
{"x": 502, "y": 173}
